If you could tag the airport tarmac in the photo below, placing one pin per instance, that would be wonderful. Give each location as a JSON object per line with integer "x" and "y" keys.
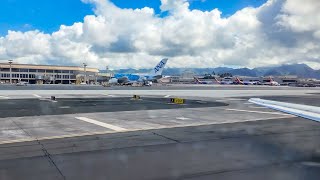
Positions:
{"x": 104, "y": 134}
{"x": 154, "y": 87}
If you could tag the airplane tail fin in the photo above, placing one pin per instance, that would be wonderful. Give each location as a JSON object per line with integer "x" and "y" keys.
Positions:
{"x": 197, "y": 80}
{"x": 217, "y": 80}
{"x": 270, "y": 78}
{"x": 238, "y": 80}
{"x": 157, "y": 71}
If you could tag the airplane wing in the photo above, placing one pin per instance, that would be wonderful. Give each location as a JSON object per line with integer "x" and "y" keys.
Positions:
{"x": 305, "y": 111}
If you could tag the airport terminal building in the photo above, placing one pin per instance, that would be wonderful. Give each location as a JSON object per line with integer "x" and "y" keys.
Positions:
{"x": 46, "y": 74}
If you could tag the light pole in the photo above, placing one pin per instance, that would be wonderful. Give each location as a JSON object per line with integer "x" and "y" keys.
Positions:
{"x": 10, "y": 62}
{"x": 85, "y": 72}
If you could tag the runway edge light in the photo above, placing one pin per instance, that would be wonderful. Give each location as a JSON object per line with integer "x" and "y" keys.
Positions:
{"x": 136, "y": 97}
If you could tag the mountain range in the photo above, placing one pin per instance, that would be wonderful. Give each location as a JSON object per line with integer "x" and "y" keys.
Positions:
{"x": 300, "y": 70}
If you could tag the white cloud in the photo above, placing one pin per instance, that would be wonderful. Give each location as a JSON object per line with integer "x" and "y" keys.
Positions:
{"x": 280, "y": 31}
{"x": 25, "y": 44}
{"x": 301, "y": 16}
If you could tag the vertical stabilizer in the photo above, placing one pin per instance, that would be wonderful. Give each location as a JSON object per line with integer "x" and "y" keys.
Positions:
{"x": 238, "y": 80}
{"x": 219, "y": 82}
{"x": 157, "y": 71}
{"x": 197, "y": 80}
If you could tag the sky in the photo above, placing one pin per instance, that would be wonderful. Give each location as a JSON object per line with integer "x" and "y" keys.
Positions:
{"x": 137, "y": 34}
{"x": 47, "y": 16}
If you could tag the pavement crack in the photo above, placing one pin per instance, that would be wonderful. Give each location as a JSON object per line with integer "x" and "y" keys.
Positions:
{"x": 44, "y": 150}
{"x": 171, "y": 139}
{"x": 48, "y": 155}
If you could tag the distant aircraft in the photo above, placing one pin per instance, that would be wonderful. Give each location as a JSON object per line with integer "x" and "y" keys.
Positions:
{"x": 227, "y": 81}
{"x": 238, "y": 81}
{"x": 272, "y": 82}
{"x": 197, "y": 81}
{"x": 214, "y": 81}
{"x": 156, "y": 73}
{"x": 249, "y": 83}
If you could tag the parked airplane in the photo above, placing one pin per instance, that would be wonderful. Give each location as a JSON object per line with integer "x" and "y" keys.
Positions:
{"x": 156, "y": 73}
{"x": 227, "y": 81}
{"x": 238, "y": 81}
{"x": 214, "y": 81}
{"x": 271, "y": 82}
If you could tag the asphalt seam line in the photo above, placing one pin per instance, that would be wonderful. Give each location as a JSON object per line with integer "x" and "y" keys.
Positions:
{"x": 102, "y": 124}
{"x": 44, "y": 150}
{"x": 171, "y": 139}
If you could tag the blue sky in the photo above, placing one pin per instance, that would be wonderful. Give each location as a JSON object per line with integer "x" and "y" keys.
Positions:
{"x": 48, "y": 15}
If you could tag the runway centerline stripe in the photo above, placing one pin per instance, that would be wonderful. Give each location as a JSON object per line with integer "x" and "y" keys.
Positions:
{"x": 36, "y": 95}
{"x": 109, "y": 95}
{"x": 261, "y": 112}
{"x": 102, "y": 124}
{"x": 182, "y": 118}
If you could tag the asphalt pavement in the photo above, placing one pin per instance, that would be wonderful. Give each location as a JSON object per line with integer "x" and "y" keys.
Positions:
{"x": 106, "y": 135}
{"x": 274, "y": 149}
{"x": 46, "y": 106}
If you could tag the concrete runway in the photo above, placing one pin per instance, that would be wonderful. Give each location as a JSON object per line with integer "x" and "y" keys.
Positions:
{"x": 102, "y": 134}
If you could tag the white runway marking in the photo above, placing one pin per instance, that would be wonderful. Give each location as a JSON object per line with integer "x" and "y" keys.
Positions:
{"x": 258, "y": 107}
{"x": 167, "y": 96}
{"x": 102, "y": 124}
{"x": 234, "y": 99}
{"x": 221, "y": 100}
{"x": 262, "y": 112}
{"x": 182, "y": 118}
{"x": 248, "y": 103}
{"x": 109, "y": 95}
{"x": 4, "y": 97}
{"x": 229, "y": 99}
{"x": 36, "y": 95}
{"x": 64, "y": 107}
